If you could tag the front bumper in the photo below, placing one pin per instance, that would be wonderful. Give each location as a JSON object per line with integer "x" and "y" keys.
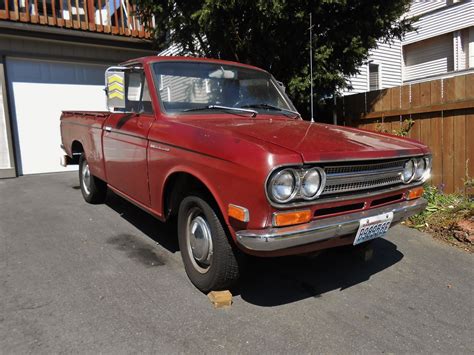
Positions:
{"x": 272, "y": 239}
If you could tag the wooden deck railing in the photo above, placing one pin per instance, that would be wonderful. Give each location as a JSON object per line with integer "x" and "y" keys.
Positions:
{"x": 116, "y": 17}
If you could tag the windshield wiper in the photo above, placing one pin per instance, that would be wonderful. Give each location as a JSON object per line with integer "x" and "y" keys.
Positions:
{"x": 271, "y": 107}
{"x": 218, "y": 107}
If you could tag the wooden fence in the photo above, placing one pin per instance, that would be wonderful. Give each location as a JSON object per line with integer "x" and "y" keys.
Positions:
{"x": 115, "y": 17}
{"x": 443, "y": 115}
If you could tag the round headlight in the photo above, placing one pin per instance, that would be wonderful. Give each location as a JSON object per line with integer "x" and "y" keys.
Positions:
{"x": 283, "y": 186}
{"x": 420, "y": 168}
{"x": 408, "y": 171}
{"x": 311, "y": 183}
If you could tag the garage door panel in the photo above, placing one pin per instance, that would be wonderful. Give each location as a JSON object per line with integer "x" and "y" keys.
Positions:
{"x": 39, "y": 91}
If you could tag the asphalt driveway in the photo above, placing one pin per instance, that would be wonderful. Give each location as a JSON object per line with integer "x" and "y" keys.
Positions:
{"x": 109, "y": 278}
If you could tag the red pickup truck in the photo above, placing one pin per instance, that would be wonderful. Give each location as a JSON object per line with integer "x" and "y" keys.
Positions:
{"x": 220, "y": 146}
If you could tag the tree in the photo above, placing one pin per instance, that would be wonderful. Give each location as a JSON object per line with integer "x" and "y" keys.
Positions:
{"x": 274, "y": 35}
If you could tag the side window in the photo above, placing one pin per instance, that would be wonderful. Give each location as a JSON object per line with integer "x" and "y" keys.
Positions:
{"x": 137, "y": 93}
{"x": 146, "y": 99}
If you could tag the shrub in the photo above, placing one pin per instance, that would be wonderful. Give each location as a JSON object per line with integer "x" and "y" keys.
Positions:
{"x": 443, "y": 214}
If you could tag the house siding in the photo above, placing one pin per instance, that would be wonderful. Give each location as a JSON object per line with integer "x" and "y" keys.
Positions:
{"x": 420, "y": 7}
{"x": 358, "y": 83}
{"x": 447, "y": 20}
{"x": 388, "y": 56}
{"x": 471, "y": 47}
{"x": 442, "y": 42}
{"x": 25, "y": 47}
{"x": 461, "y": 49}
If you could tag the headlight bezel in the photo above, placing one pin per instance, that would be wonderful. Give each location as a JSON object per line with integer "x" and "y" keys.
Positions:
{"x": 322, "y": 182}
{"x": 419, "y": 176}
{"x": 272, "y": 179}
{"x": 412, "y": 176}
{"x": 298, "y": 174}
{"x": 428, "y": 161}
{"x": 420, "y": 162}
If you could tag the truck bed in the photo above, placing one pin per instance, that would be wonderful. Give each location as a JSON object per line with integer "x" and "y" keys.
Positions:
{"x": 81, "y": 131}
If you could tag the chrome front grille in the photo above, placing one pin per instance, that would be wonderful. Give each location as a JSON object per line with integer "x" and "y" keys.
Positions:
{"x": 363, "y": 176}
{"x": 352, "y": 168}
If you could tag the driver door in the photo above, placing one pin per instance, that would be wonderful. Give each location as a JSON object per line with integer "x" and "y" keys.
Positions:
{"x": 125, "y": 139}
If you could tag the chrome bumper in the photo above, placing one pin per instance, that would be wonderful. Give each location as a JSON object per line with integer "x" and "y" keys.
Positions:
{"x": 63, "y": 158}
{"x": 271, "y": 239}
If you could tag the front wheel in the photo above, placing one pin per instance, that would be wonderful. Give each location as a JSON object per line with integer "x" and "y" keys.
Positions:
{"x": 211, "y": 262}
{"x": 93, "y": 189}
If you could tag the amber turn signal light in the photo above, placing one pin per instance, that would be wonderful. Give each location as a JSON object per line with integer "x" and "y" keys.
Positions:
{"x": 415, "y": 193}
{"x": 281, "y": 219}
{"x": 238, "y": 213}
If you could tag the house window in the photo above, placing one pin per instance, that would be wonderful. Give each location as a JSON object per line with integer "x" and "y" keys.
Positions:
{"x": 430, "y": 57}
{"x": 374, "y": 76}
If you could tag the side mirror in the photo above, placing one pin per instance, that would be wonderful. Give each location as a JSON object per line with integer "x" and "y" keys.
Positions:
{"x": 223, "y": 74}
{"x": 115, "y": 88}
{"x": 281, "y": 85}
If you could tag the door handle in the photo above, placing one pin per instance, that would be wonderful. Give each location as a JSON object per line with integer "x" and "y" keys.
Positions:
{"x": 108, "y": 128}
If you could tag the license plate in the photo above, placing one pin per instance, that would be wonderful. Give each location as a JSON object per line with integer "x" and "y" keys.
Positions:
{"x": 373, "y": 227}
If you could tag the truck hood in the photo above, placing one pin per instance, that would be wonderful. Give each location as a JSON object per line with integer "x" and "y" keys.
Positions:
{"x": 313, "y": 141}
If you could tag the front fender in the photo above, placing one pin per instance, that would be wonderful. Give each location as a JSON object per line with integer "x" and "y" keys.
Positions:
{"x": 226, "y": 181}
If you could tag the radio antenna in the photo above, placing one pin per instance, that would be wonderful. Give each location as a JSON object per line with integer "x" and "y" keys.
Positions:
{"x": 311, "y": 62}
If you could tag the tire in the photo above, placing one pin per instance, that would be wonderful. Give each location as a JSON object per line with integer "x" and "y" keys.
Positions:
{"x": 214, "y": 263}
{"x": 93, "y": 189}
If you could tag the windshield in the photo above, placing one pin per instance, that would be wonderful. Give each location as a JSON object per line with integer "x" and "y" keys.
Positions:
{"x": 195, "y": 86}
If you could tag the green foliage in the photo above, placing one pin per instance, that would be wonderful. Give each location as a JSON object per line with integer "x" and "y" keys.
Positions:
{"x": 439, "y": 203}
{"x": 443, "y": 213}
{"x": 273, "y": 34}
{"x": 469, "y": 183}
{"x": 405, "y": 128}
{"x": 401, "y": 132}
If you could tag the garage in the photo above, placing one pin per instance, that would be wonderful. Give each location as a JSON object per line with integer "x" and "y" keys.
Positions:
{"x": 38, "y": 91}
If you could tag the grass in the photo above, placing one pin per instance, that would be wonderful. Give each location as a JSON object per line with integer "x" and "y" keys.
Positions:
{"x": 442, "y": 216}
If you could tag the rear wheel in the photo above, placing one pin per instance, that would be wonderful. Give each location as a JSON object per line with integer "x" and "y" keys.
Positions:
{"x": 210, "y": 260}
{"x": 93, "y": 189}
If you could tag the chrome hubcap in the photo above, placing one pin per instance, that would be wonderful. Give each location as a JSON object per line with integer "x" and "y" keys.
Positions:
{"x": 199, "y": 242}
{"x": 86, "y": 178}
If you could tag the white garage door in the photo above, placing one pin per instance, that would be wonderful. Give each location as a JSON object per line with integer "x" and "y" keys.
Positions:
{"x": 39, "y": 91}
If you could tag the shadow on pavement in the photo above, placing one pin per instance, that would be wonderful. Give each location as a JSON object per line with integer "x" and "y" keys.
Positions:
{"x": 270, "y": 282}
{"x": 162, "y": 233}
{"x": 277, "y": 281}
